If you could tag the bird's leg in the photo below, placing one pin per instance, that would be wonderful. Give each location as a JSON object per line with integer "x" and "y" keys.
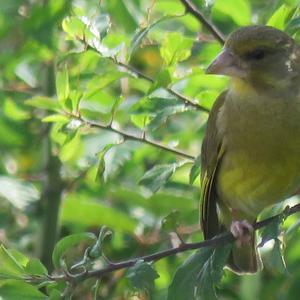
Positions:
{"x": 241, "y": 230}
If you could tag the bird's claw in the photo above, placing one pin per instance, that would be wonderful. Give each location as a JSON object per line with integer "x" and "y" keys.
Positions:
{"x": 241, "y": 230}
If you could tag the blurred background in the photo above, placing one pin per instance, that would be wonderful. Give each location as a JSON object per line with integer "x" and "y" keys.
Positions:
{"x": 60, "y": 177}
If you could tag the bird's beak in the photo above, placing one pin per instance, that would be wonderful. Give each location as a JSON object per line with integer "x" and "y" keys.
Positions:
{"x": 226, "y": 63}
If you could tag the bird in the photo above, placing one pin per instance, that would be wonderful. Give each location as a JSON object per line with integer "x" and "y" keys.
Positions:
{"x": 250, "y": 155}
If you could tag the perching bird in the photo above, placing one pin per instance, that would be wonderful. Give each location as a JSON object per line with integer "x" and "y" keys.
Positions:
{"x": 251, "y": 150}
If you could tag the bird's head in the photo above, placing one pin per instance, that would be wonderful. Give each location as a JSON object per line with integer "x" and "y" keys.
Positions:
{"x": 262, "y": 56}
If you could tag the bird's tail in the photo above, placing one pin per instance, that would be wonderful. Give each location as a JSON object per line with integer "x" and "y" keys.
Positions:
{"x": 246, "y": 258}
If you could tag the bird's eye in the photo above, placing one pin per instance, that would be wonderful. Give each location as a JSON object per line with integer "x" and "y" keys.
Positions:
{"x": 257, "y": 54}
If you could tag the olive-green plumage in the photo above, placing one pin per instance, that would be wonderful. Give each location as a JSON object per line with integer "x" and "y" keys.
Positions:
{"x": 251, "y": 150}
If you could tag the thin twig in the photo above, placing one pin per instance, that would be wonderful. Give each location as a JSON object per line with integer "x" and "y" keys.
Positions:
{"x": 128, "y": 136}
{"x": 139, "y": 74}
{"x": 181, "y": 97}
{"x": 217, "y": 241}
{"x": 192, "y": 9}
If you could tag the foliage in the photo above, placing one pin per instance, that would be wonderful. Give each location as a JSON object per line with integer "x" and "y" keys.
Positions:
{"x": 103, "y": 111}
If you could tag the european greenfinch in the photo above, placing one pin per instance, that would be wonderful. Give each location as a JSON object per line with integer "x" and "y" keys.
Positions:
{"x": 251, "y": 150}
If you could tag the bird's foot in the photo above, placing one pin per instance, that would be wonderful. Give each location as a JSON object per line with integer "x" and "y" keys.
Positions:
{"x": 242, "y": 231}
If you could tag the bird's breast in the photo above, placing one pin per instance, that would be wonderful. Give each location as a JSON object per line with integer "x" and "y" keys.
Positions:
{"x": 261, "y": 163}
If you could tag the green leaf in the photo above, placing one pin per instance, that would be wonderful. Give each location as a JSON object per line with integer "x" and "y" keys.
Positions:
{"x": 157, "y": 177}
{"x": 142, "y": 275}
{"x": 141, "y": 33}
{"x": 62, "y": 84}
{"x": 163, "y": 79}
{"x": 101, "y": 164}
{"x": 293, "y": 25}
{"x": 76, "y": 97}
{"x": 280, "y": 17}
{"x": 103, "y": 24}
{"x": 75, "y": 27}
{"x": 14, "y": 111}
{"x": 87, "y": 30}
{"x": 238, "y": 10}
{"x": 212, "y": 272}
{"x": 171, "y": 221}
{"x": 158, "y": 108}
{"x": 71, "y": 147}
{"x": 116, "y": 104}
{"x": 125, "y": 14}
{"x": 56, "y": 118}
{"x": 35, "y": 267}
{"x": 199, "y": 274}
{"x": 175, "y": 48}
{"x": 195, "y": 170}
{"x": 163, "y": 116}
{"x": 55, "y": 295}
{"x": 155, "y": 105}
{"x": 16, "y": 290}
{"x": 275, "y": 259}
{"x": 43, "y": 103}
{"x": 9, "y": 266}
{"x": 186, "y": 277}
{"x": 74, "y": 211}
{"x": 100, "y": 82}
{"x": 96, "y": 250}
{"x": 272, "y": 232}
{"x": 66, "y": 243}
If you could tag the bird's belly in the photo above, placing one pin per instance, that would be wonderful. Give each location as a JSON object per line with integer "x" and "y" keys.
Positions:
{"x": 250, "y": 183}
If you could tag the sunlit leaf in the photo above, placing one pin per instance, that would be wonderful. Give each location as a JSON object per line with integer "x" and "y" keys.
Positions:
{"x": 238, "y": 10}
{"x": 62, "y": 84}
{"x": 175, "y": 48}
{"x": 71, "y": 147}
{"x": 55, "y": 118}
{"x": 43, "y": 103}
{"x": 279, "y": 18}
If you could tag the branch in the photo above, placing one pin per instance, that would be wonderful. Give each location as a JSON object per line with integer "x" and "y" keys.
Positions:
{"x": 217, "y": 241}
{"x": 139, "y": 74}
{"x": 181, "y": 97}
{"x": 192, "y": 9}
{"x": 131, "y": 137}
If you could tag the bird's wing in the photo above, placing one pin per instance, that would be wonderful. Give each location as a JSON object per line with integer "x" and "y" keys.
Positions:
{"x": 211, "y": 154}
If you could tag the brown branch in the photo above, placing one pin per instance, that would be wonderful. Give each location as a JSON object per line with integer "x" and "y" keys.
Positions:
{"x": 181, "y": 97}
{"x": 139, "y": 74}
{"x": 192, "y": 9}
{"x": 217, "y": 241}
{"x": 128, "y": 136}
